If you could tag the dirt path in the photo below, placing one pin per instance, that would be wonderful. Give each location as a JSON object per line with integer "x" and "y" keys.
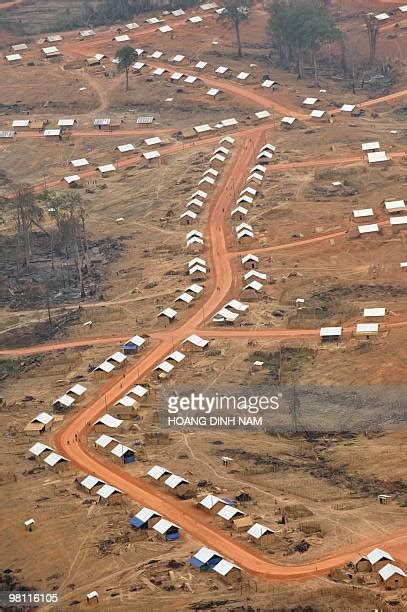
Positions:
{"x": 223, "y": 283}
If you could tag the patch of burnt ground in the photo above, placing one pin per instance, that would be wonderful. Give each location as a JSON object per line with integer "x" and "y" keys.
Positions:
{"x": 317, "y": 463}
{"x": 53, "y": 276}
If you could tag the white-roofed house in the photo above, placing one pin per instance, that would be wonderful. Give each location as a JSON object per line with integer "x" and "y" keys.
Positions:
{"x": 14, "y": 58}
{"x": 104, "y": 368}
{"x": 254, "y": 275}
{"x": 72, "y": 180}
{"x": 157, "y": 472}
{"x": 371, "y": 228}
{"x": 228, "y": 512}
{"x": 38, "y": 448}
{"x": 394, "y": 206}
{"x": 164, "y": 29}
{"x": 143, "y": 520}
{"x": 105, "y": 443}
{"x": 260, "y": 534}
{"x": 163, "y": 369}
{"x": 87, "y": 33}
{"x": 214, "y": 93}
{"x": 178, "y": 58}
{"x": 125, "y": 408}
{"x": 109, "y": 495}
{"x": 168, "y": 530}
{"x": 80, "y": 163}
{"x": 122, "y": 454}
{"x": 107, "y": 423}
{"x": 264, "y": 157}
{"x": 57, "y": 462}
{"x": 223, "y": 71}
{"x": 393, "y": 576}
{"x": 217, "y": 160}
{"x": 362, "y": 212}
{"x": 194, "y": 241}
{"x": 139, "y": 393}
{"x": 63, "y": 403}
{"x": 211, "y": 503}
{"x": 244, "y": 76}
{"x": 288, "y": 122}
{"x": 250, "y": 261}
{"x": 370, "y": 146}
{"x": 167, "y": 316}
{"x": 121, "y": 38}
{"x": 378, "y": 558}
{"x": 29, "y": 524}
{"x": 201, "y": 129}
{"x": 374, "y": 312}
{"x": 229, "y": 572}
{"x": 88, "y": 484}
{"x": 51, "y": 52}
{"x": 310, "y": 101}
{"x": 187, "y": 217}
{"x": 330, "y": 334}
{"x": 180, "y": 486}
{"x": 318, "y": 114}
{"x": 367, "y": 329}
{"x": 39, "y": 424}
{"x": 53, "y": 133}
{"x": 126, "y": 148}
{"x": 377, "y": 158}
{"x": 92, "y": 599}
{"x": 133, "y": 345}
{"x": 252, "y": 291}
{"x": 19, "y": 47}
{"x": 106, "y": 169}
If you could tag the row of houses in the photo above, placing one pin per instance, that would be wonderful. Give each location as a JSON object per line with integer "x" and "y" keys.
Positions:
{"x": 391, "y": 207}
{"x": 68, "y": 399}
{"x": 177, "y": 484}
{"x": 51, "y": 459}
{"x": 147, "y": 519}
{"x": 208, "y": 560}
{"x": 196, "y": 203}
{"x": 224, "y": 508}
{"x": 244, "y": 231}
{"x": 53, "y": 51}
{"x": 105, "y": 493}
{"x": 228, "y": 314}
{"x": 382, "y": 562}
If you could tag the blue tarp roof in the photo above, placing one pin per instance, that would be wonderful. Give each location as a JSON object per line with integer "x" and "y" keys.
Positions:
{"x": 195, "y": 562}
{"x": 136, "y": 522}
{"x": 230, "y": 502}
{"x": 130, "y": 345}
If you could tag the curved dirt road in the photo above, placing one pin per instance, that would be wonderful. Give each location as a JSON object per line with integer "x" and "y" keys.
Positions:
{"x": 222, "y": 285}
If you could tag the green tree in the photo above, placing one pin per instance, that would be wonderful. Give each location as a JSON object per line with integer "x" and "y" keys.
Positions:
{"x": 299, "y": 30}
{"x": 126, "y": 56}
{"x": 236, "y": 12}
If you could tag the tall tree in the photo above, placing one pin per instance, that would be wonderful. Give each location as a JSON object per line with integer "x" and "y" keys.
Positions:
{"x": 26, "y": 211}
{"x": 236, "y": 12}
{"x": 69, "y": 215}
{"x": 299, "y": 30}
{"x": 372, "y": 27}
{"x": 126, "y": 56}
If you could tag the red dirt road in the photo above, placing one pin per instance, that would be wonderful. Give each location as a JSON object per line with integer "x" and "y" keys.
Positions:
{"x": 183, "y": 513}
